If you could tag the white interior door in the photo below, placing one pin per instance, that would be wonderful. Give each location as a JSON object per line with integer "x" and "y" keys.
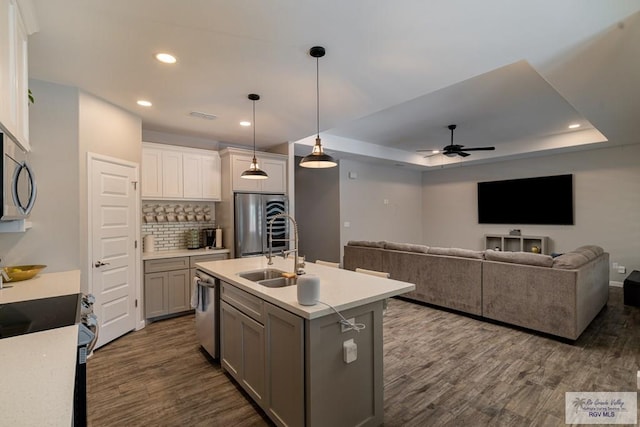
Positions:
{"x": 113, "y": 229}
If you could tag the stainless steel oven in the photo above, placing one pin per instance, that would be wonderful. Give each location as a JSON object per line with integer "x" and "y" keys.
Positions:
{"x": 19, "y": 190}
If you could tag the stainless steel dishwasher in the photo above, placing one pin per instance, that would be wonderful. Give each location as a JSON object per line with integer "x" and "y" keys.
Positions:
{"x": 207, "y": 305}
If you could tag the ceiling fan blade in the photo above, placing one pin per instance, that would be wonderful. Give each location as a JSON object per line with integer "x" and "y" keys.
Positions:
{"x": 480, "y": 149}
{"x": 463, "y": 154}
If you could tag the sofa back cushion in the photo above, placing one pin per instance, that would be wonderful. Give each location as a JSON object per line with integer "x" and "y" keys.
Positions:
{"x": 406, "y": 247}
{"x": 589, "y": 251}
{"x": 462, "y": 253}
{"x": 366, "y": 243}
{"x": 570, "y": 261}
{"x": 526, "y": 258}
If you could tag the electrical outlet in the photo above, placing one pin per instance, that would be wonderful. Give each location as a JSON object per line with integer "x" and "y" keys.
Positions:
{"x": 346, "y": 328}
{"x": 614, "y": 265}
{"x": 622, "y": 269}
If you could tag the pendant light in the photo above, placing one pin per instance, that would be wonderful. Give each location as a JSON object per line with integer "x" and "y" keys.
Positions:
{"x": 317, "y": 158}
{"x": 254, "y": 172}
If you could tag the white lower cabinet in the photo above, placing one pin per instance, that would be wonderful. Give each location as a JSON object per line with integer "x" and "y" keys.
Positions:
{"x": 262, "y": 348}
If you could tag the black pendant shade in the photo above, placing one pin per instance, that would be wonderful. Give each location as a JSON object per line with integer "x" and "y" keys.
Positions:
{"x": 318, "y": 158}
{"x": 254, "y": 172}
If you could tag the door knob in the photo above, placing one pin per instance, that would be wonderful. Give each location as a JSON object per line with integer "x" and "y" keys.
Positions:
{"x": 100, "y": 264}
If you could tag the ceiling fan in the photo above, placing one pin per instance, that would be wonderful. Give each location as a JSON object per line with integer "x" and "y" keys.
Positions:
{"x": 453, "y": 150}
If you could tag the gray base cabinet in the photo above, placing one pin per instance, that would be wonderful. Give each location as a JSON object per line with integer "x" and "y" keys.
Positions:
{"x": 168, "y": 283}
{"x": 339, "y": 393}
{"x": 295, "y": 369}
{"x": 242, "y": 350}
{"x": 284, "y": 343}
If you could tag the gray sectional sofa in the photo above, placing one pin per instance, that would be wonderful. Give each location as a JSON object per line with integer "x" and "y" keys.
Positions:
{"x": 559, "y": 296}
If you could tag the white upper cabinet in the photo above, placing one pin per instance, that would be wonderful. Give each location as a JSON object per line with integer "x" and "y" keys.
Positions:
{"x": 151, "y": 173}
{"x": 275, "y": 165}
{"x": 177, "y": 173}
{"x": 192, "y": 175}
{"x": 172, "y": 175}
{"x": 211, "y": 188}
{"x": 14, "y": 73}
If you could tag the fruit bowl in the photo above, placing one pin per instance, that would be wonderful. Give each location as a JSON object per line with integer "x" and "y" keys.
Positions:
{"x": 23, "y": 272}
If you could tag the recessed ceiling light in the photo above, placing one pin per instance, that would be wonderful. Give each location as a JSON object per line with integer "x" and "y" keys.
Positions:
{"x": 144, "y": 103}
{"x": 574, "y": 126}
{"x": 166, "y": 58}
{"x": 435, "y": 151}
{"x": 245, "y": 123}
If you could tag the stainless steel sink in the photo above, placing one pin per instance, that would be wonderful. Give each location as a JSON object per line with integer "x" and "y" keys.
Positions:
{"x": 278, "y": 282}
{"x": 262, "y": 274}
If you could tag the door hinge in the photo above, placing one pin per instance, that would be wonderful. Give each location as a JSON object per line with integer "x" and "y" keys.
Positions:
{"x": 135, "y": 244}
{"x": 135, "y": 184}
{"x": 136, "y": 303}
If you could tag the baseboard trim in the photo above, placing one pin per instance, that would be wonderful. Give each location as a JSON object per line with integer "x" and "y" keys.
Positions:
{"x": 615, "y": 284}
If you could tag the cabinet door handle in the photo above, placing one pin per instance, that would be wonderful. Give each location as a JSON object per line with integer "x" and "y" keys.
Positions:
{"x": 100, "y": 264}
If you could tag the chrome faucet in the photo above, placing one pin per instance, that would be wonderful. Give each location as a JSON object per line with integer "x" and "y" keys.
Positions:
{"x": 297, "y": 267}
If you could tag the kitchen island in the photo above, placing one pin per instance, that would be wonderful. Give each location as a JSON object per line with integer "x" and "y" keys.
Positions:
{"x": 299, "y": 363}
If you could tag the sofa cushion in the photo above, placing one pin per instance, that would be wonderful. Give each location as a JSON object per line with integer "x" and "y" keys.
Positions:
{"x": 462, "y": 253}
{"x": 406, "y": 247}
{"x": 526, "y": 258}
{"x": 570, "y": 261}
{"x": 366, "y": 243}
{"x": 590, "y": 251}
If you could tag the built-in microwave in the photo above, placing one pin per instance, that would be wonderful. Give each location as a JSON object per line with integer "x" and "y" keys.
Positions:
{"x": 18, "y": 182}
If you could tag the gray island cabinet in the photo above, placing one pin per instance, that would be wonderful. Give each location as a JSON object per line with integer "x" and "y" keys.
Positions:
{"x": 290, "y": 358}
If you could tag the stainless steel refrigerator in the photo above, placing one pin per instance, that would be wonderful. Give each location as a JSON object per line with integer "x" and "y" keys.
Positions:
{"x": 252, "y": 215}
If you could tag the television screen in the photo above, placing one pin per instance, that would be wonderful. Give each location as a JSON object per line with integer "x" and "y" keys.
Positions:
{"x": 542, "y": 200}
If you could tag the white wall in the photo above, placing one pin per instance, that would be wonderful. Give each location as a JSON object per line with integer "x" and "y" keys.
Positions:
{"x": 54, "y": 238}
{"x": 107, "y": 130}
{"x": 182, "y": 140}
{"x": 606, "y": 200}
{"x": 65, "y": 124}
{"x": 362, "y": 203}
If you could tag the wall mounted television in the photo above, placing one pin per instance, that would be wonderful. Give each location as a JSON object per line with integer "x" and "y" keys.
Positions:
{"x": 543, "y": 200}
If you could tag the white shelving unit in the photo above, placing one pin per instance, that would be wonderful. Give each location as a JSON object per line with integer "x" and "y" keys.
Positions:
{"x": 508, "y": 242}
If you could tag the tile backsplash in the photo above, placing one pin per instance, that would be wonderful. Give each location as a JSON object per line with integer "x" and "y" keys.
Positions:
{"x": 169, "y": 222}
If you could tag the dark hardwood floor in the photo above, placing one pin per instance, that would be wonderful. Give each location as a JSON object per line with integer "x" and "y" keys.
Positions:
{"x": 440, "y": 368}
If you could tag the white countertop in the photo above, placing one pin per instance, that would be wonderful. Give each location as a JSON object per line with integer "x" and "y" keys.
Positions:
{"x": 37, "y": 378}
{"x": 44, "y": 285}
{"x": 37, "y": 370}
{"x": 343, "y": 289}
{"x": 182, "y": 252}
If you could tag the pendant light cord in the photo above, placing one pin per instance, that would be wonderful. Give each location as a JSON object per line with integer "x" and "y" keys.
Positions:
{"x": 318, "y": 95}
{"x": 254, "y": 131}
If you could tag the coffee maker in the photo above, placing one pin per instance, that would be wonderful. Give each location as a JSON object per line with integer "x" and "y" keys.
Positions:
{"x": 209, "y": 237}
